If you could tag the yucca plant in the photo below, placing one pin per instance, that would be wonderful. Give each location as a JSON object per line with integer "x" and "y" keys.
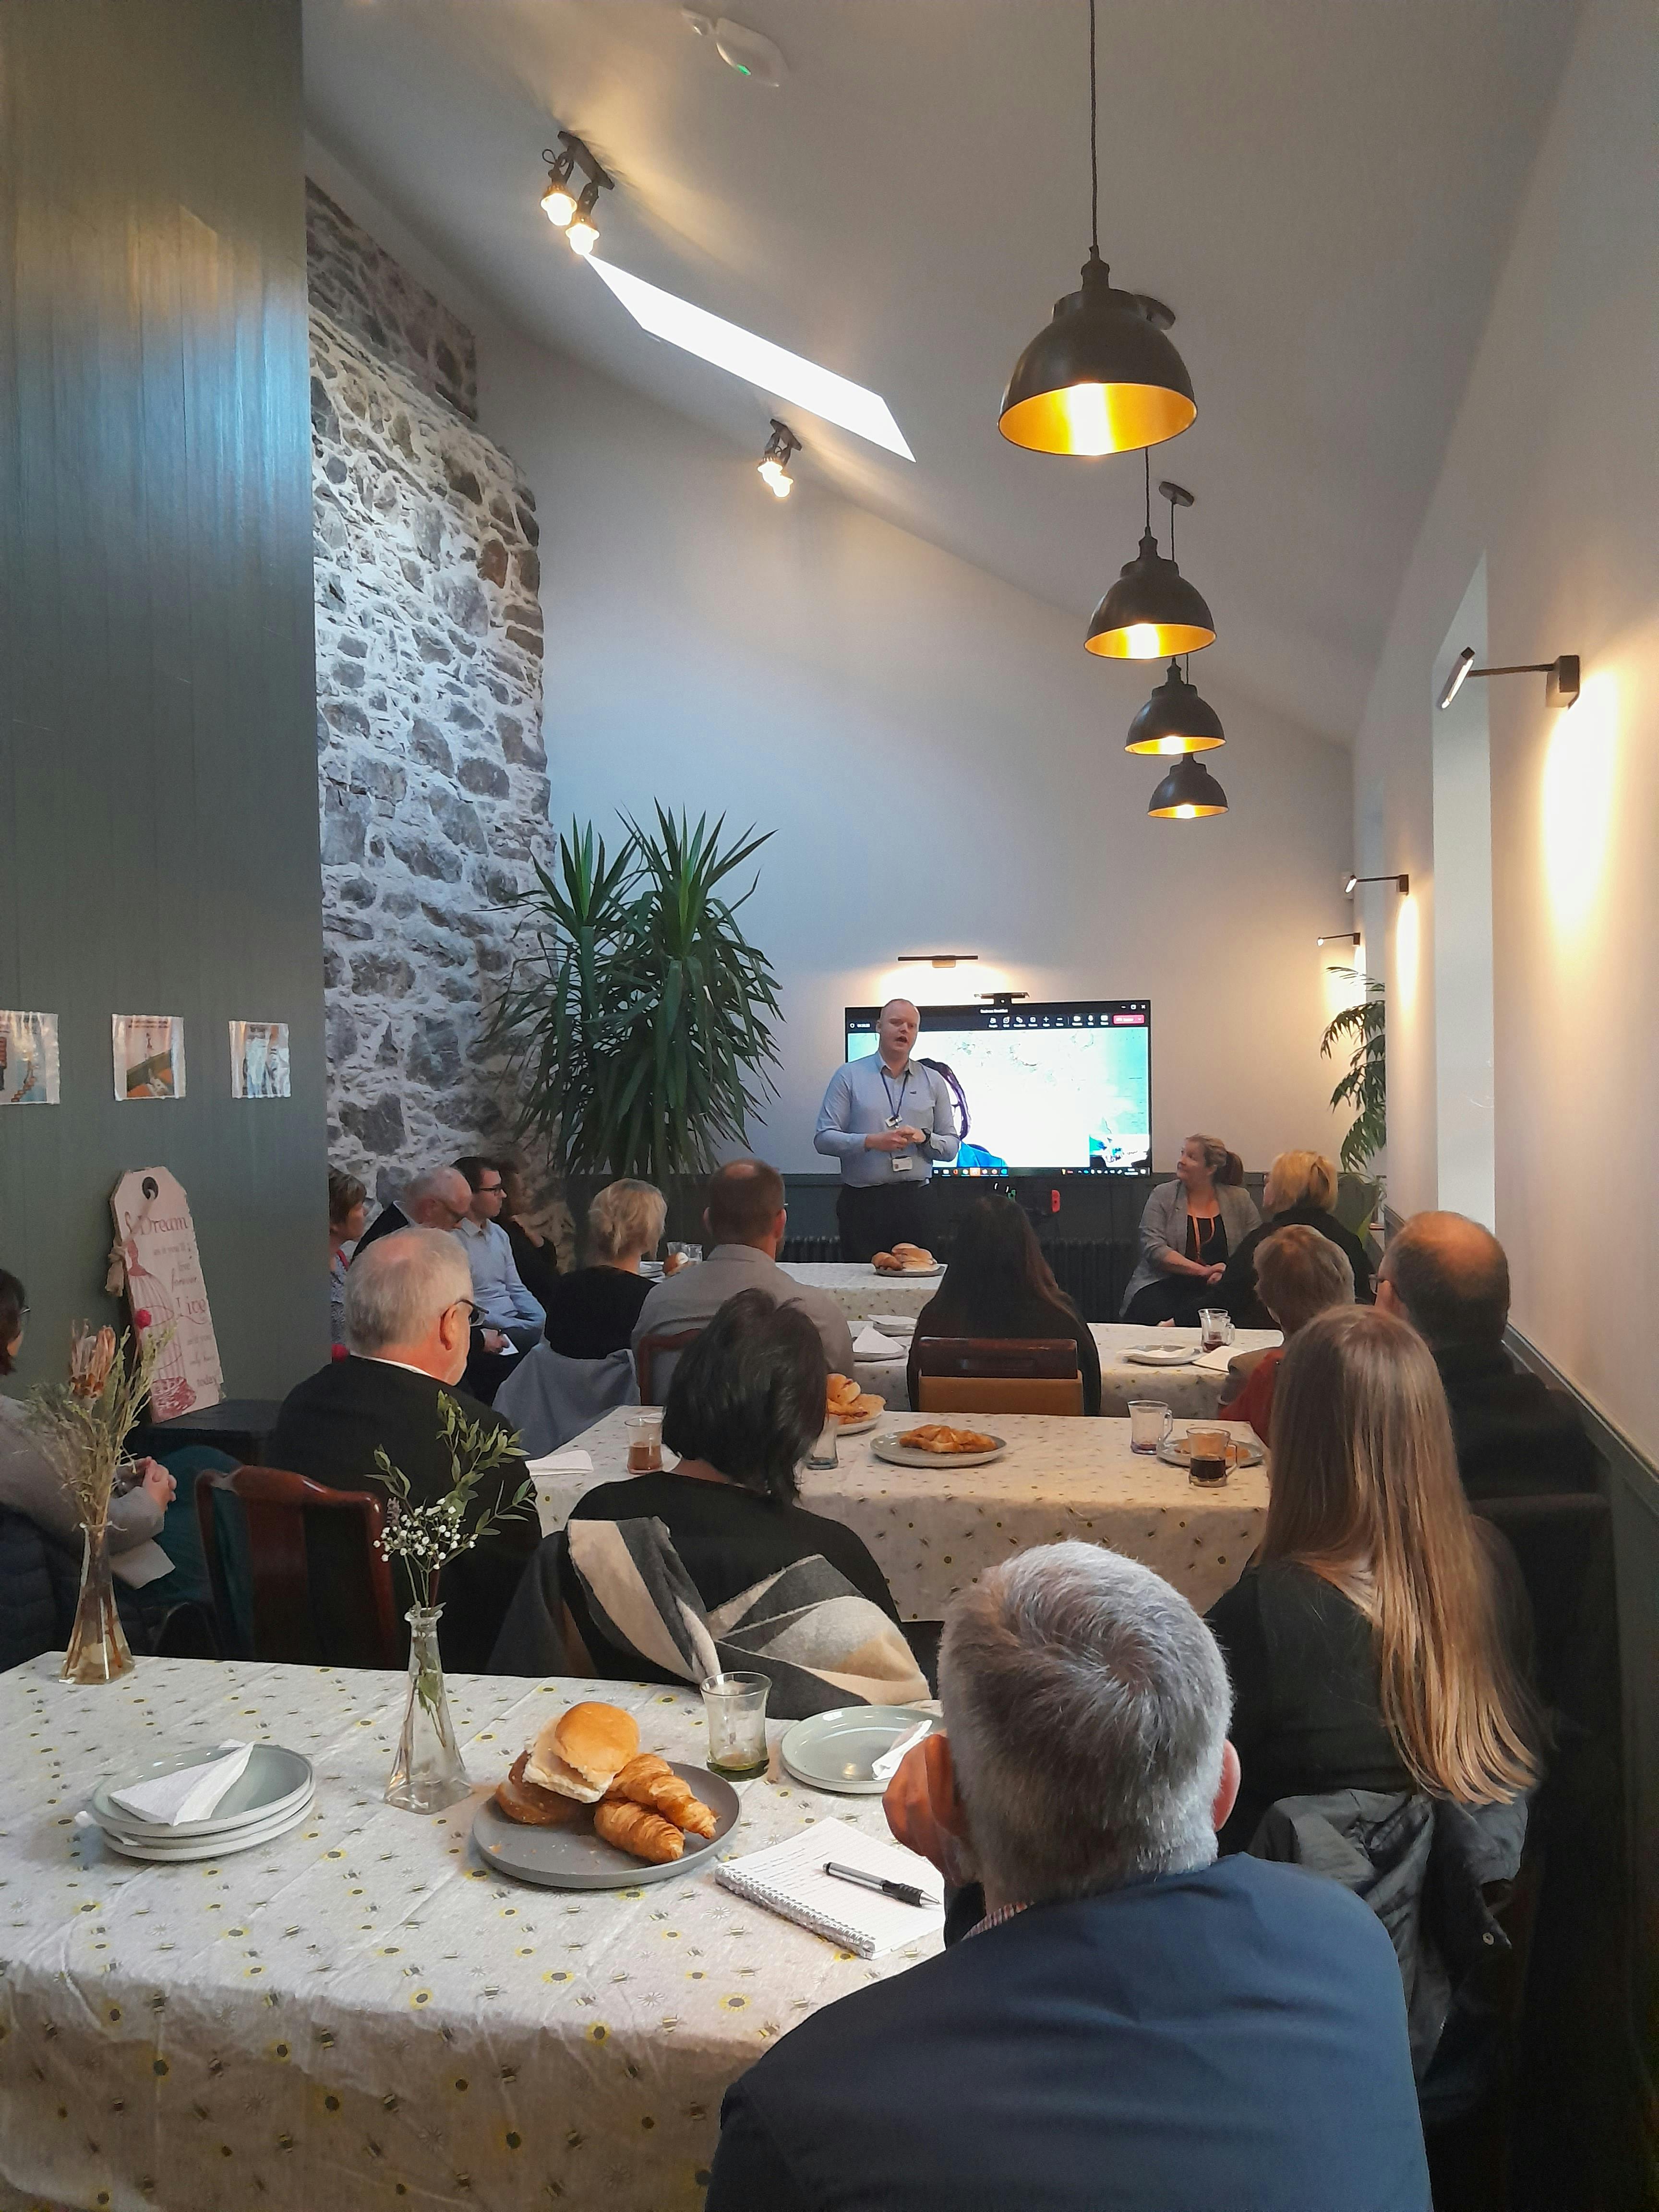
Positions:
{"x": 1365, "y": 1086}
{"x": 639, "y": 1028}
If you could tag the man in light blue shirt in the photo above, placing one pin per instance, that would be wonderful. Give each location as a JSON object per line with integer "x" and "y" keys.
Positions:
{"x": 498, "y": 1289}
{"x": 886, "y": 1118}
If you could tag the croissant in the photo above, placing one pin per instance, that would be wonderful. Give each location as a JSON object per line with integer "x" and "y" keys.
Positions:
{"x": 649, "y": 1780}
{"x": 632, "y": 1829}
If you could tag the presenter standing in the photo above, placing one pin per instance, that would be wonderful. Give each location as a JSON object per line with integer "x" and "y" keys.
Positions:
{"x": 886, "y": 1118}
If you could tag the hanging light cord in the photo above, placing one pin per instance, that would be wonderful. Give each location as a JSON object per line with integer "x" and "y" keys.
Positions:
{"x": 1146, "y": 456}
{"x": 1094, "y": 141}
{"x": 1172, "y": 509}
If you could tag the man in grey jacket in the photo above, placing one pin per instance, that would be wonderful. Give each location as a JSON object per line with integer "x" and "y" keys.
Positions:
{"x": 744, "y": 1220}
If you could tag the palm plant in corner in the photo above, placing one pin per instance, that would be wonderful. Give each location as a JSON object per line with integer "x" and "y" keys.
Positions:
{"x": 429, "y": 1773}
{"x": 637, "y": 1024}
{"x": 1363, "y": 1027}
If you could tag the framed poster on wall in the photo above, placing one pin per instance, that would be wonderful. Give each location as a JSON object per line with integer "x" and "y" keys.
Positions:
{"x": 28, "y": 1059}
{"x": 258, "y": 1060}
{"x": 149, "y": 1055}
{"x": 155, "y": 1238}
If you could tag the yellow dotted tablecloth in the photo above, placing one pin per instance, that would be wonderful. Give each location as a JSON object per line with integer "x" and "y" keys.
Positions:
{"x": 359, "y": 2013}
{"x": 934, "y": 1530}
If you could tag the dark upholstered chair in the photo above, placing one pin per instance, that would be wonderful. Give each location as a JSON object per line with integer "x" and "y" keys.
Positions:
{"x": 295, "y": 1572}
{"x": 646, "y": 1353}
{"x": 999, "y": 1375}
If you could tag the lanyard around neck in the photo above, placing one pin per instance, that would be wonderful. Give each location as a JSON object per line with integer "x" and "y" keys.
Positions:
{"x": 894, "y": 1106}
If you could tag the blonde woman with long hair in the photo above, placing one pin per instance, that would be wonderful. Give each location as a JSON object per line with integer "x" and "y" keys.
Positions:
{"x": 1373, "y": 1640}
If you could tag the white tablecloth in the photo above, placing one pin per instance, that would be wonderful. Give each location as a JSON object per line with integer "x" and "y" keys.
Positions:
{"x": 932, "y": 1531}
{"x": 1188, "y": 1391}
{"x": 358, "y": 2014}
{"x": 860, "y": 1292}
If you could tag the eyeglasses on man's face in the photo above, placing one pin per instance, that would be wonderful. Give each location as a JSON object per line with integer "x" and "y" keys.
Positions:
{"x": 474, "y": 1313}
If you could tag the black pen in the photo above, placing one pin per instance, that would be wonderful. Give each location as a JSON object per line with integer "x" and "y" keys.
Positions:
{"x": 906, "y": 1891}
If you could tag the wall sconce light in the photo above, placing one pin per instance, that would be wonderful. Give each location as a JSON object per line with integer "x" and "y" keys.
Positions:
{"x": 561, "y": 204}
{"x": 1401, "y": 882}
{"x": 1340, "y": 937}
{"x": 780, "y": 448}
{"x": 1560, "y": 676}
{"x": 935, "y": 959}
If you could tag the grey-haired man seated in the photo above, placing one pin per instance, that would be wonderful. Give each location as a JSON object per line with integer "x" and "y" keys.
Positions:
{"x": 1133, "y": 2025}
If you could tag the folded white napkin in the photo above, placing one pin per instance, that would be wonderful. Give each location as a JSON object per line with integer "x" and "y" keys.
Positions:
{"x": 193, "y": 1793}
{"x": 568, "y": 1461}
{"x": 871, "y": 1344}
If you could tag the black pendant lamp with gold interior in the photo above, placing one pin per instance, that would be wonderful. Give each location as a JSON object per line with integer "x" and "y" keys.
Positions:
{"x": 1152, "y": 609}
{"x": 1188, "y": 792}
{"x": 1103, "y": 377}
{"x": 1174, "y": 720}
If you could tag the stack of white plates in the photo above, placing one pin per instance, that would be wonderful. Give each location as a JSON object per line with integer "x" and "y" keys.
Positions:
{"x": 272, "y": 1795}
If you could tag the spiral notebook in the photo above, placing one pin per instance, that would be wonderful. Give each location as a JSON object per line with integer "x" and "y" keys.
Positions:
{"x": 788, "y": 1878}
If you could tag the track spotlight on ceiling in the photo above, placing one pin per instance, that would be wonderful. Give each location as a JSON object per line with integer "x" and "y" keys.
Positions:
{"x": 1560, "y": 676}
{"x": 1401, "y": 882}
{"x": 561, "y": 203}
{"x": 1188, "y": 792}
{"x": 1340, "y": 937}
{"x": 1174, "y": 720}
{"x": 780, "y": 447}
{"x": 1102, "y": 377}
{"x": 1152, "y": 609}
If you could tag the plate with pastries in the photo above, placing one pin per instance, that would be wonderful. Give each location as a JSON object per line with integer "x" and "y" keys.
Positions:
{"x": 583, "y": 1807}
{"x": 853, "y": 1410}
{"x": 938, "y": 1444}
{"x": 908, "y": 1260}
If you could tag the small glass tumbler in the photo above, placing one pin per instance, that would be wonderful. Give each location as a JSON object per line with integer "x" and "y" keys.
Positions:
{"x": 645, "y": 1441}
{"x": 1215, "y": 1327}
{"x": 1149, "y": 1422}
{"x": 735, "y": 1705}
{"x": 825, "y": 1453}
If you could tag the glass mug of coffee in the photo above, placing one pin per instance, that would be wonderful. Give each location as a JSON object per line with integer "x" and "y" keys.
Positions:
{"x": 645, "y": 1441}
{"x": 1208, "y": 1457}
{"x": 1215, "y": 1327}
{"x": 1149, "y": 1422}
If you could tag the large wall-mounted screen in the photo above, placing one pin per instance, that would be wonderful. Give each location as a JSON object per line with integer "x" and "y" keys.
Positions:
{"x": 1064, "y": 1083}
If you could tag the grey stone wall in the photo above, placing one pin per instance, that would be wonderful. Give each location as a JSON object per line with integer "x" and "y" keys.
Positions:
{"x": 360, "y": 287}
{"x": 431, "y": 768}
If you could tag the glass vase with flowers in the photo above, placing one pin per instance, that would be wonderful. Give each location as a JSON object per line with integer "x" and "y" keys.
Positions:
{"x": 428, "y": 1772}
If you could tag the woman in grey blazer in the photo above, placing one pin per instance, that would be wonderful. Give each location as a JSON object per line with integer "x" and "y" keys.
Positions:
{"x": 1186, "y": 1233}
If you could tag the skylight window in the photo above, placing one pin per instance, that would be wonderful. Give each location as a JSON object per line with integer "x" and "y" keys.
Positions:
{"x": 785, "y": 375}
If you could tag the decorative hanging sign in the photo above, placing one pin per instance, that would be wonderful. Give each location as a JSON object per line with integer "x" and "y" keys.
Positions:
{"x": 155, "y": 1253}
{"x": 28, "y": 1059}
{"x": 258, "y": 1060}
{"x": 149, "y": 1055}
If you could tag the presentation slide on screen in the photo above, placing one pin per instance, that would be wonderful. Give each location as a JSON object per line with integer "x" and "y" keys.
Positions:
{"x": 1059, "y": 1085}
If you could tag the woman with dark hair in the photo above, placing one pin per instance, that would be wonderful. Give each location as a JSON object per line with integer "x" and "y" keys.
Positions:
{"x": 1373, "y": 1640}
{"x": 348, "y": 1216}
{"x": 533, "y": 1253}
{"x": 998, "y": 1283}
{"x": 1186, "y": 1232}
{"x": 746, "y": 1404}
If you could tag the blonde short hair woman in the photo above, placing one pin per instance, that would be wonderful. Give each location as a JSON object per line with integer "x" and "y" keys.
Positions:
{"x": 593, "y": 1310}
{"x": 1372, "y": 1639}
{"x": 1300, "y": 1191}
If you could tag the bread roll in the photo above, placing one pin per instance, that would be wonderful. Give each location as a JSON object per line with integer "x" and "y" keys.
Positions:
{"x": 526, "y": 1801}
{"x": 577, "y": 1754}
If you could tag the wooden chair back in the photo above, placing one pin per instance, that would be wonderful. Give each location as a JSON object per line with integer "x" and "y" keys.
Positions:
{"x": 999, "y": 1375}
{"x": 316, "y": 1590}
{"x": 645, "y": 1353}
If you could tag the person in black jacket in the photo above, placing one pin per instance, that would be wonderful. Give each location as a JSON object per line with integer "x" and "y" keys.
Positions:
{"x": 1300, "y": 1189}
{"x": 409, "y": 1313}
{"x": 999, "y": 1285}
{"x": 1130, "y": 2024}
{"x": 595, "y": 1309}
{"x": 1449, "y": 1278}
{"x": 1377, "y": 1639}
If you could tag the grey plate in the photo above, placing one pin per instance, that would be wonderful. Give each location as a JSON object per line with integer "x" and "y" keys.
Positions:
{"x": 836, "y": 1750}
{"x": 273, "y": 1782}
{"x": 248, "y": 1838}
{"x": 1242, "y": 1451}
{"x": 862, "y": 1428}
{"x": 575, "y": 1858}
{"x": 891, "y": 1447}
{"x": 906, "y": 1275}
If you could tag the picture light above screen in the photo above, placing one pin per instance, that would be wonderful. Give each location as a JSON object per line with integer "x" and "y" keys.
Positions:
{"x": 1054, "y": 1083}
